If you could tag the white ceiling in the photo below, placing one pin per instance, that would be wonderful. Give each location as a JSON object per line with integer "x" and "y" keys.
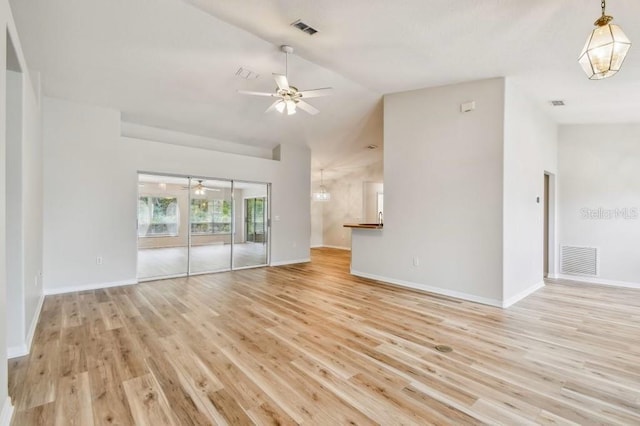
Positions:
{"x": 172, "y": 63}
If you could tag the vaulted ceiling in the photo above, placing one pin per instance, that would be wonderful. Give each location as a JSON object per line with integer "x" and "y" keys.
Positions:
{"x": 172, "y": 63}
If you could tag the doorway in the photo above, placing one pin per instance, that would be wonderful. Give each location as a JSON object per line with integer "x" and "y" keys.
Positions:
{"x": 545, "y": 244}
{"x": 187, "y": 226}
{"x": 549, "y": 256}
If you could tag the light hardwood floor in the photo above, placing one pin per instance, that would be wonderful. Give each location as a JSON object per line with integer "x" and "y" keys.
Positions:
{"x": 170, "y": 261}
{"x": 311, "y": 344}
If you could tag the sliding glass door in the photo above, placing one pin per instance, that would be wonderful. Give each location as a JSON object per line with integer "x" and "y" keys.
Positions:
{"x": 162, "y": 226}
{"x": 211, "y": 210}
{"x": 251, "y": 236}
{"x": 192, "y": 225}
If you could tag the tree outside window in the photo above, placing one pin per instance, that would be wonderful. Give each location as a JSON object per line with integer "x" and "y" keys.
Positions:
{"x": 158, "y": 216}
{"x": 210, "y": 216}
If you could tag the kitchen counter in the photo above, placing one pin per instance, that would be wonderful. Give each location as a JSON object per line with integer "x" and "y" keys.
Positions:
{"x": 363, "y": 225}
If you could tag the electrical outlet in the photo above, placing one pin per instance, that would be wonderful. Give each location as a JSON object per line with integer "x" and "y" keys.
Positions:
{"x": 99, "y": 260}
{"x": 416, "y": 261}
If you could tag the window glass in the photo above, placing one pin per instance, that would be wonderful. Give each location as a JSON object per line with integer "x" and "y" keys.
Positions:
{"x": 158, "y": 216}
{"x": 210, "y": 216}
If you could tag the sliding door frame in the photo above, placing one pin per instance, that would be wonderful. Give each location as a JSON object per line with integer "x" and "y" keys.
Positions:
{"x": 190, "y": 179}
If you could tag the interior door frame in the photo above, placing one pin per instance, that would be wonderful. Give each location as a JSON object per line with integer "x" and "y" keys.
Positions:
{"x": 551, "y": 246}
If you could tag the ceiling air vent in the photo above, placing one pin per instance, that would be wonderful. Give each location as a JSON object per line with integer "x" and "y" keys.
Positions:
{"x": 304, "y": 27}
{"x": 557, "y": 103}
{"x": 247, "y": 74}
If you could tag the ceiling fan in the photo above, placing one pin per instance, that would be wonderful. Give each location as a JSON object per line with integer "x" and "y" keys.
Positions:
{"x": 289, "y": 97}
{"x": 200, "y": 189}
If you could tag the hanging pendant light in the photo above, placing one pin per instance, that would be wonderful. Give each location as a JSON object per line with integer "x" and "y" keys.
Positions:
{"x": 605, "y": 48}
{"x": 322, "y": 194}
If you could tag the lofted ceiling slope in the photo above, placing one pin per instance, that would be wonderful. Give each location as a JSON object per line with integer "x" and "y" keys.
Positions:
{"x": 172, "y": 63}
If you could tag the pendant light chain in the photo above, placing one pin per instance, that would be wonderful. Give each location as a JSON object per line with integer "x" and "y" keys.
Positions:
{"x": 603, "y": 5}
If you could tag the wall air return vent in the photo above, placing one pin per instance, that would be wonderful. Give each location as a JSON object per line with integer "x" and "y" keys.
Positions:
{"x": 579, "y": 260}
{"x": 304, "y": 27}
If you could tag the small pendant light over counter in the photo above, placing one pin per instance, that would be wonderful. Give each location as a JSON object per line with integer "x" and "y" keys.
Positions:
{"x": 605, "y": 49}
{"x": 322, "y": 194}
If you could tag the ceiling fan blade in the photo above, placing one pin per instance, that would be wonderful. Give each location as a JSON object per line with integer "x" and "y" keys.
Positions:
{"x": 316, "y": 93}
{"x": 281, "y": 81}
{"x": 307, "y": 108}
{"x": 248, "y": 92}
{"x": 273, "y": 106}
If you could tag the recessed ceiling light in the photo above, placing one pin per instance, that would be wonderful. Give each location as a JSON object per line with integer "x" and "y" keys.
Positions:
{"x": 557, "y": 103}
{"x": 304, "y": 27}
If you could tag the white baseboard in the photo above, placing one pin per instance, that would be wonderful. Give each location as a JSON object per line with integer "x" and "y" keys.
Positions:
{"x": 34, "y": 322}
{"x": 431, "y": 289}
{"x": 71, "y": 289}
{"x": 290, "y": 262}
{"x": 7, "y": 413}
{"x": 337, "y": 247}
{"x": 316, "y": 246}
{"x": 590, "y": 280}
{"x": 17, "y": 351}
{"x": 524, "y": 293}
{"x": 25, "y": 348}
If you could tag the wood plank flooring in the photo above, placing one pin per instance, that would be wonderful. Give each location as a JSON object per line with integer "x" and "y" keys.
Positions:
{"x": 310, "y": 344}
{"x": 155, "y": 263}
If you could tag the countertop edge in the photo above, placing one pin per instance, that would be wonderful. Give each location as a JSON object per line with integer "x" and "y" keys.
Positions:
{"x": 363, "y": 225}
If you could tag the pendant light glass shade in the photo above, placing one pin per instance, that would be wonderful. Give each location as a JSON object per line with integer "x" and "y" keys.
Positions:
{"x": 605, "y": 49}
{"x": 322, "y": 194}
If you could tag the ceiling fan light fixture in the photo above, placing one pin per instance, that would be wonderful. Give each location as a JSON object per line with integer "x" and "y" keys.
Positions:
{"x": 605, "y": 49}
{"x": 291, "y": 107}
{"x": 288, "y": 96}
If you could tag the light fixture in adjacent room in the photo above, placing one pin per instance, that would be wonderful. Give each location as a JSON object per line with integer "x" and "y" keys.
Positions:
{"x": 322, "y": 194}
{"x": 605, "y": 49}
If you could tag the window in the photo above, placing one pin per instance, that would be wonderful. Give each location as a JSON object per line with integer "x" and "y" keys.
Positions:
{"x": 210, "y": 216}
{"x": 158, "y": 216}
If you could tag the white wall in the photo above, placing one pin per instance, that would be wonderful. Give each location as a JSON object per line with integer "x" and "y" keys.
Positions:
{"x": 530, "y": 150}
{"x": 14, "y": 220}
{"x": 370, "y": 191}
{"x": 5, "y": 403}
{"x": 91, "y": 191}
{"x": 32, "y": 192}
{"x": 317, "y": 209}
{"x": 443, "y": 193}
{"x": 599, "y": 169}
{"x": 24, "y": 186}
